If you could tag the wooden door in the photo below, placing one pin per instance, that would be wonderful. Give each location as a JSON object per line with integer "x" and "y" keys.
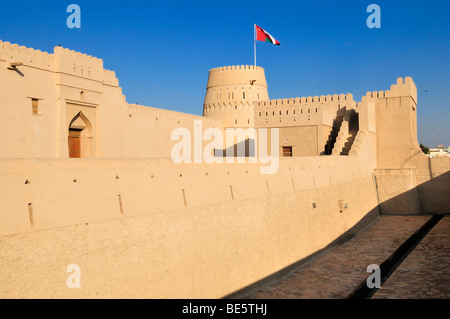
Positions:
{"x": 74, "y": 143}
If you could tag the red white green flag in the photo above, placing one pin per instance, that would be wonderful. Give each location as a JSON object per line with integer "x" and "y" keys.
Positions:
{"x": 262, "y": 35}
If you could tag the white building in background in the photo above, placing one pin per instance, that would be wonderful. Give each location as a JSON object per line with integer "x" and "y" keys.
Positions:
{"x": 439, "y": 151}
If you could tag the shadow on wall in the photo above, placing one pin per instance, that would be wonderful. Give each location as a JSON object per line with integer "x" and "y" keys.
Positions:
{"x": 431, "y": 197}
{"x": 434, "y": 195}
{"x": 242, "y": 149}
{"x": 352, "y": 232}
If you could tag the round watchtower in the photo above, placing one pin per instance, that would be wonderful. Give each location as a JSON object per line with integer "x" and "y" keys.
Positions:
{"x": 230, "y": 94}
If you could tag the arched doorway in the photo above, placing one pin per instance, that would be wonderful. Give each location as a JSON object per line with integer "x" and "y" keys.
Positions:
{"x": 80, "y": 139}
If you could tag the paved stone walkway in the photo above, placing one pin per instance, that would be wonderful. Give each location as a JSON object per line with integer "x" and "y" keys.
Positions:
{"x": 425, "y": 273}
{"x": 338, "y": 271}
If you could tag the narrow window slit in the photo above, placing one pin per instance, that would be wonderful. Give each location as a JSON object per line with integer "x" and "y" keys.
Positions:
{"x": 30, "y": 214}
{"x": 121, "y": 205}
{"x": 184, "y": 198}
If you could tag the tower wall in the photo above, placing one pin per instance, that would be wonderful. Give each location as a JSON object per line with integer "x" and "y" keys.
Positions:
{"x": 230, "y": 94}
{"x": 408, "y": 182}
{"x": 396, "y": 124}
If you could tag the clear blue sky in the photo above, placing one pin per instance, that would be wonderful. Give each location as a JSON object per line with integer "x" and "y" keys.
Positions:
{"x": 162, "y": 51}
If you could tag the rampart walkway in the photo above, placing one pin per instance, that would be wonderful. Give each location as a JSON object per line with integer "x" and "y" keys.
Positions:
{"x": 337, "y": 273}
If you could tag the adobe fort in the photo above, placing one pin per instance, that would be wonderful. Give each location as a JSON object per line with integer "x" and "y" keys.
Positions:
{"x": 87, "y": 179}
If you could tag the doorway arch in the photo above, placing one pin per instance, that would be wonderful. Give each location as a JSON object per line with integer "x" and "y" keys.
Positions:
{"x": 80, "y": 137}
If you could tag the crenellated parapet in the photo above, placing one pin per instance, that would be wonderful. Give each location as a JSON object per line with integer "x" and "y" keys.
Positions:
{"x": 62, "y": 61}
{"x": 236, "y": 67}
{"x": 109, "y": 78}
{"x": 341, "y": 99}
{"x": 13, "y": 53}
{"x": 312, "y": 110}
{"x": 74, "y": 63}
{"x": 78, "y": 57}
{"x": 404, "y": 88}
{"x": 237, "y": 75}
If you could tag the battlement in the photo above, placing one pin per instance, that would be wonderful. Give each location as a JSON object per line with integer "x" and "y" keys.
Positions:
{"x": 79, "y": 64}
{"x": 84, "y": 65}
{"x": 404, "y": 87}
{"x": 283, "y": 114}
{"x": 306, "y": 100}
{"x": 109, "y": 77}
{"x": 237, "y": 67}
{"x": 28, "y": 56}
{"x": 246, "y": 76}
{"x": 62, "y": 60}
{"x": 78, "y": 56}
{"x": 311, "y": 110}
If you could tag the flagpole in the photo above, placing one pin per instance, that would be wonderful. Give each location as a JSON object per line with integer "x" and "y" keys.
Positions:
{"x": 254, "y": 36}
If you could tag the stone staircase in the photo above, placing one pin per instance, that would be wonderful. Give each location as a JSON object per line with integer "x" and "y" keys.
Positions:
{"x": 333, "y": 135}
{"x": 353, "y": 131}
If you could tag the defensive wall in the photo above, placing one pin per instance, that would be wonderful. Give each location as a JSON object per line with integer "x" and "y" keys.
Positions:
{"x": 49, "y": 94}
{"x": 141, "y": 226}
{"x": 154, "y": 229}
